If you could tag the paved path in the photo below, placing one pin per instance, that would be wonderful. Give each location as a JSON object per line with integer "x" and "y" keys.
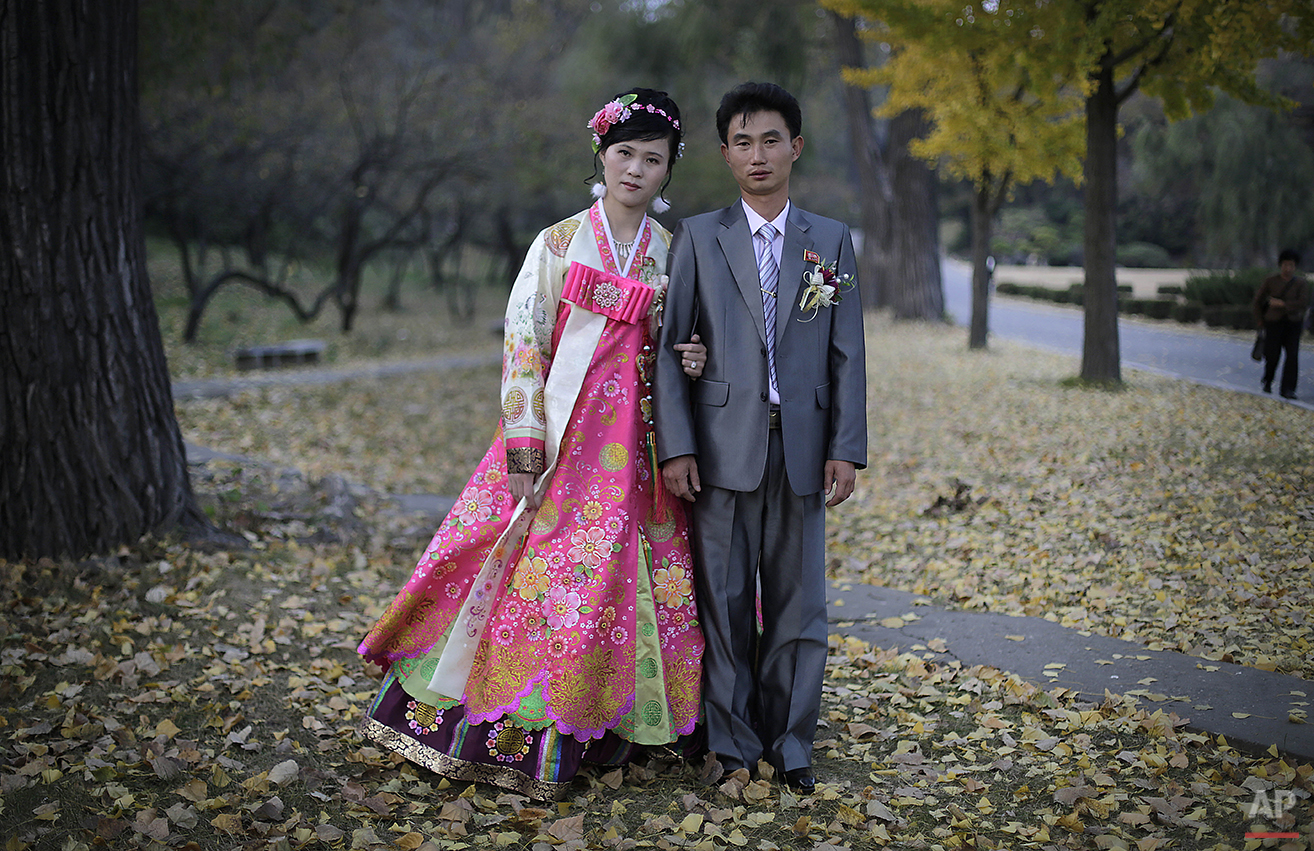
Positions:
{"x": 1210, "y": 694}
{"x": 1167, "y": 348}
{"x": 1090, "y": 663}
{"x": 1204, "y": 692}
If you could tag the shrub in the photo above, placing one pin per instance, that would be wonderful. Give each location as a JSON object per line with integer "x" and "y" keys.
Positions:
{"x": 1169, "y": 289}
{"x": 1157, "y": 308}
{"x": 1124, "y": 289}
{"x": 1008, "y": 288}
{"x": 1242, "y": 318}
{"x": 1131, "y": 305}
{"x": 1188, "y": 312}
{"x": 1143, "y": 255}
{"x": 1224, "y": 287}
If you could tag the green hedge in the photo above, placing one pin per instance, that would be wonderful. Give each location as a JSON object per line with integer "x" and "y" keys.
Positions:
{"x": 1144, "y": 255}
{"x": 1188, "y": 313}
{"x": 1157, "y": 308}
{"x": 1240, "y": 317}
{"x": 1222, "y": 288}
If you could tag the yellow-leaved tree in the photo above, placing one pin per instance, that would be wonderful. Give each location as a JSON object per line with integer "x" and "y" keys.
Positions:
{"x": 995, "y": 120}
{"x": 1182, "y": 52}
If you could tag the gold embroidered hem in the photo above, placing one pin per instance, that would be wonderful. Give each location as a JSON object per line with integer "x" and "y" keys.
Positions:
{"x": 460, "y": 769}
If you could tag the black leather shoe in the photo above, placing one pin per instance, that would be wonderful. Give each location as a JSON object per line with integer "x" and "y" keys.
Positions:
{"x": 801, "y": 780}
{"x": 1291, "y": 396}
{"x": 1268, "y": 387}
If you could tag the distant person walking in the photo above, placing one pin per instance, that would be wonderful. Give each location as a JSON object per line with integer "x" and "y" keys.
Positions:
{"x": 1279, "y": 306}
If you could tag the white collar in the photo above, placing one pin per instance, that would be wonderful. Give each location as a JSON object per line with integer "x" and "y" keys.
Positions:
{"x": 611, "y": 240}
{"x": 756, "y": 221}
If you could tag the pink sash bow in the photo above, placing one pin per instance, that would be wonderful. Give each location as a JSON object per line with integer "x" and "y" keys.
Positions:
{"x": 622, "y": 299}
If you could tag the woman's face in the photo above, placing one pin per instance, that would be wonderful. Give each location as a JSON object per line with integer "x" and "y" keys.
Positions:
{"x": 634, "y": 170}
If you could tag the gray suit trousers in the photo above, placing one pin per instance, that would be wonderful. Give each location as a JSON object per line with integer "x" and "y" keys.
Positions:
{"x": 762, "y": 694}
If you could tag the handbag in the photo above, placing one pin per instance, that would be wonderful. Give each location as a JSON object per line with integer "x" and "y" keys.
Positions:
{"x": 1257, "y": 351}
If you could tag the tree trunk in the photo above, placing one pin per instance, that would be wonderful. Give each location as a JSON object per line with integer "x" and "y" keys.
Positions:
{"x": 874, "y": 189}
{"x": 512, "y": 250}
{"x": 91, "y": 457}
{"x": 392, "y": 301}
{"x": 982, "y": 216}
{"x": 912, "y": 277}
{"x": 1100, "y": 358}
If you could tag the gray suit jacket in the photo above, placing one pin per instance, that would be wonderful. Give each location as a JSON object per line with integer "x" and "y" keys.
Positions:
{"x": 820, "y": 363}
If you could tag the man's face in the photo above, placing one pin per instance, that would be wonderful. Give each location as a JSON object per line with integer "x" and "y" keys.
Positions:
{"x": 760, "y": 152}
{"x": 1287, "y": 268}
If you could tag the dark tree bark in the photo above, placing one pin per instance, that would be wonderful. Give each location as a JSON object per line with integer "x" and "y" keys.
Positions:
{"x": 875, "y": 197}
{"x": 900, "y": 263}
{"x": 91, "y": 456}
{"x": 987, "y": 196}
{"x": 1100, "y": 360}
{"x": 981, "y": 220}
{"x": 512, "y": 249}
{"x": 913, "y": 275}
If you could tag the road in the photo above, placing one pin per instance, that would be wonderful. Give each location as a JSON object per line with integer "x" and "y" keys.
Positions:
{"x": 1167, "y": 348}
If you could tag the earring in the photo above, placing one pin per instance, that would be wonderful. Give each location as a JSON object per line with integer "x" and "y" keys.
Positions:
{"x": 599, "y": 190}
{"x": 660, "y": 205}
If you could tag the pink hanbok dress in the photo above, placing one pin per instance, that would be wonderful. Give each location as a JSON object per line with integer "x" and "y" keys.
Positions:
{"x": 529, "y": 642}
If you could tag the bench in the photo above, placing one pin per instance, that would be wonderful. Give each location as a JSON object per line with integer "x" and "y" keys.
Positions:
{"x": 291, "y": 353}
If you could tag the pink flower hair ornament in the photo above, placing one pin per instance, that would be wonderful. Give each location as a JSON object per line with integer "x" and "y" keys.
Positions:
{"x": 618, "y": 112}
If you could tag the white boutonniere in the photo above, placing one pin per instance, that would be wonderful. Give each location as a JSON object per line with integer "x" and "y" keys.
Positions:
{"x": 823, "y": 286}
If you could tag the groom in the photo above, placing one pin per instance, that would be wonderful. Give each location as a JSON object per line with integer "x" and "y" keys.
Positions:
{"x": 772, "y": 433}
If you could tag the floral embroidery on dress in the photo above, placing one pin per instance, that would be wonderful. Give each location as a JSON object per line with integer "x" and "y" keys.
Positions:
{"x": 561, "y": 608}
{"x": 531, "y": 577}
{"x": 507, "y": 742}
{"x": 591, "y": 511}
{"x": 564, "y": 622}
{"x": 647, "y": 271}
{"x": 671, "y": 585}
{"x": 588, "y": 546}
{"x": 558, "y": 646}
{"x": 474, "y": 507}
{"x": 422, "y": 718}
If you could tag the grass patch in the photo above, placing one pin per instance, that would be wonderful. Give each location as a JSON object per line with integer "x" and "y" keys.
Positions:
{"x": 239, "y": 316}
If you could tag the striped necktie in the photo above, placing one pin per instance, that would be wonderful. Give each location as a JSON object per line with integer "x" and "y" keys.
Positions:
{"x": 769, "y": 275}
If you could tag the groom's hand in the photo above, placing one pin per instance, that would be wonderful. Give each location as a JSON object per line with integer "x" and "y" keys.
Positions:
{"x": 840, "y": 479}
{"x": 681, "y": 476}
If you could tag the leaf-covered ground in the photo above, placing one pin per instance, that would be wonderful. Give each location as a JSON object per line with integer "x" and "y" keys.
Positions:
{"x": 166, "y": 697}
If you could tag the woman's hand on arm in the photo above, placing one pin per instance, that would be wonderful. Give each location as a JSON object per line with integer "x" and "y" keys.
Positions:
{"x": 693, "y": 356}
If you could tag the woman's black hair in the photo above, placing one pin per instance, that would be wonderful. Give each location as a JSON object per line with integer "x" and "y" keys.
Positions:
{"x": 645, "y": 126}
